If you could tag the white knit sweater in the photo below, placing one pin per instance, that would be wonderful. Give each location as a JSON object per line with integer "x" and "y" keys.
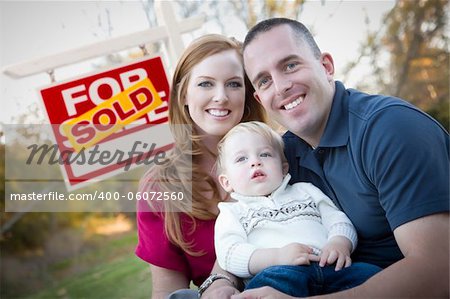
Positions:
{"x": 300, "y": 213}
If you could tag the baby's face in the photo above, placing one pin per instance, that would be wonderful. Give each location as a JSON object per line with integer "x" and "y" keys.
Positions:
{"x": 252, "y": 166}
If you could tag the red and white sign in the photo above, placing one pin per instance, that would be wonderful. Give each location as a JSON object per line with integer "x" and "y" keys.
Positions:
{"x": 109, "y": 114}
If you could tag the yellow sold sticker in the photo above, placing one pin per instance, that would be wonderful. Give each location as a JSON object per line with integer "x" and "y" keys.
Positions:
{"x": 112, "y": 115}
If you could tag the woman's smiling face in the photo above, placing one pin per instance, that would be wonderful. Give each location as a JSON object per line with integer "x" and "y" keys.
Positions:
{"x": 216, "y": 93}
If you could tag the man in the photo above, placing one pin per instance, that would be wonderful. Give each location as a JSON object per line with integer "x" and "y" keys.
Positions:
{"x": 382, "y": 161}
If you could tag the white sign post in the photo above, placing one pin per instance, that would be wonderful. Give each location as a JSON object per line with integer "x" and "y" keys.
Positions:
{"x": 109, "y": 94}
{"x": 169, "y": 30}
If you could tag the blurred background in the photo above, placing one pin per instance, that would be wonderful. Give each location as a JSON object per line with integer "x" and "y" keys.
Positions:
{"x": 398, "y": 48}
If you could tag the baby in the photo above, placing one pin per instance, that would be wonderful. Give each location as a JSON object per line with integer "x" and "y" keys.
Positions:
{"x": 293, "y": 238}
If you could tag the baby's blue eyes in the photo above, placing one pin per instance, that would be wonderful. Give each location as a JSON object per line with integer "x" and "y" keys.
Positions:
{"x": 244, "y": 158}
{"x": 241, "y": 159}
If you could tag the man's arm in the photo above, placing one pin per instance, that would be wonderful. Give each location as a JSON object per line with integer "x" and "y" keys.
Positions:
{"x": 423, "y": 273}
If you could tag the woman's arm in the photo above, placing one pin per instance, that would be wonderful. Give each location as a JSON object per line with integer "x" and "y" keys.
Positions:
{"x": 165, "y": 281}
{"x": 222, "y": 288}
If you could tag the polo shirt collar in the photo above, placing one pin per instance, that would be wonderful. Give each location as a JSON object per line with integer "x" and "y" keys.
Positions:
{"x": 336, "y": 131}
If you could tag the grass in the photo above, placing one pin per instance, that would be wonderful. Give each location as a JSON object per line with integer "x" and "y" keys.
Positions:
{"x": 108, "y": 269}
{"x": 125, "y": 277}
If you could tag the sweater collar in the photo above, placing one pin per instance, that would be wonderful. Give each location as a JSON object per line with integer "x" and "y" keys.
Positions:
{"x": 277, "y": 191}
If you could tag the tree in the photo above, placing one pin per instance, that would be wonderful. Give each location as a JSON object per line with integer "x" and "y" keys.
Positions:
{"x": 414, "y": 38}
{"x": 247, "y": 11}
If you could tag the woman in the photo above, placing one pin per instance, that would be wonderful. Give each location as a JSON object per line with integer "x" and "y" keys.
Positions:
{"x": 210, "y": 94}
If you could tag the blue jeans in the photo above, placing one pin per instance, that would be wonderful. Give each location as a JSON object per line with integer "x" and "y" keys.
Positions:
{"x": 303, "y": 281}
{"x": 183, "y": 294}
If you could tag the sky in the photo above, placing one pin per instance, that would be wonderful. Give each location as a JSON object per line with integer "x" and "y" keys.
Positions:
{"x": 32, "y": 29}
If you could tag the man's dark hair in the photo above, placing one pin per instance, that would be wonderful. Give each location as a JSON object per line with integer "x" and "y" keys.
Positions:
{"x": 298, "y": 28}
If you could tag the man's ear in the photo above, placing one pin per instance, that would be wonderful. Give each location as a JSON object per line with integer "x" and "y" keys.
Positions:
{"x": 327, "y": 61}
{"x": 285, "y": 167}
{"x": 255, "y": 95}
{"x": 225, "y": 183}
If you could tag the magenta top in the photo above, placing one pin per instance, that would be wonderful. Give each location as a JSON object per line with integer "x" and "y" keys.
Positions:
{"x": 155, "y": 248}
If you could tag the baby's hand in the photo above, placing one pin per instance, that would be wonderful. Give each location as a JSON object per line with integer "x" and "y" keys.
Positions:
{"x": 296, "y": 254}
{"x": 337, "y": 250}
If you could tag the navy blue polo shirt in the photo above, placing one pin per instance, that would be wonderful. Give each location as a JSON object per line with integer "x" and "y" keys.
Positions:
{"x": 382, "y": 161}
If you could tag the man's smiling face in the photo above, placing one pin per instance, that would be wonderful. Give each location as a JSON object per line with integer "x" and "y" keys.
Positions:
{"x": 295, "y": 87}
